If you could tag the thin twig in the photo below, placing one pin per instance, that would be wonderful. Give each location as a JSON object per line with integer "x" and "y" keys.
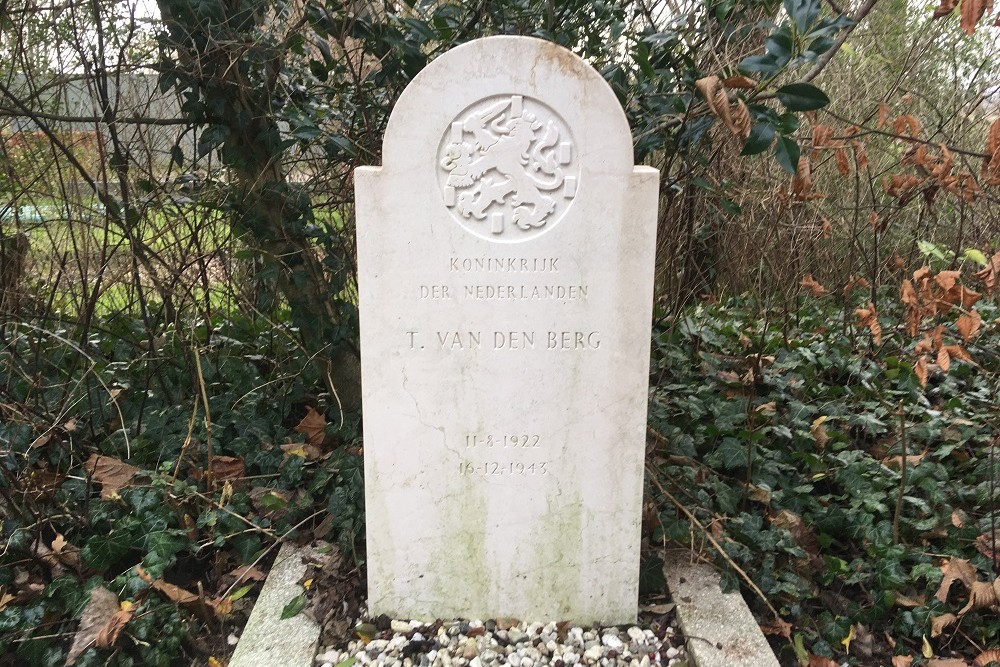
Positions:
{"x": 718, "y": 547}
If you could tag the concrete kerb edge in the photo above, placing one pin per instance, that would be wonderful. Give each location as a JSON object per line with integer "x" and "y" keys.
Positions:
{"x": 268, "y": 640}
{"x": 719, "y": 627}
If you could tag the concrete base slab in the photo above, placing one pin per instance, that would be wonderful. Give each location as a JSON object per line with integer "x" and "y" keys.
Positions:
{"x": 720, "y": 630}
{"x": 269, "y": 641}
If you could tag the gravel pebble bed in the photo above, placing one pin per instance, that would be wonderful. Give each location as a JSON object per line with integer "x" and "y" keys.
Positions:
{"x": 499, "y": 644}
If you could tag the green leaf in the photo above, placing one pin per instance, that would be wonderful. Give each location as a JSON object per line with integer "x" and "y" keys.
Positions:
{"x": 760, "y": 139}
{"x": 347, "y": 663}
{"x": 240, "y": 592}
{"x": 976, "y": 256}
{"x": 780, "y": 45}
{"x": 803, "y": 12}
{"x": 786, "y": 152}
{"x": 765, "y": 64}
{"x": 802, "y": 97}
{"x": 294, "y": 606}
{"x": 102, "y": 551}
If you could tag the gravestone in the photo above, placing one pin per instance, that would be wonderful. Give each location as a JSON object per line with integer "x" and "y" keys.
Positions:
{"x": 505, "y": 257}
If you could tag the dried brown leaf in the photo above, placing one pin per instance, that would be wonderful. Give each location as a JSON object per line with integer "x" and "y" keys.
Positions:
{"x": 955, "y": 569}
{"x": 982, "y": 595}
{"x": 947, "y": 662}
{"x": 986, "y": 657}
{"x": 972, "y": 11}
{"x": 739, "y": 81}
{"x": 920, "y": 370}
{"x": 777, "y": 627}
{"x": 248, "y": 573}
{"x": 991, "y": 165}
{"x": 867, "y": 317}
{"x": 940, "y": 623}
{"x": 313, "y": 426}
{"x": 905, "y": 124}
{"x": 821, "y": 661}
{"x": 946, "y": 7}
{"x": 990, "y": 272}
{"x": 802, "y": 181}
{"x": 108, "y": 635}
{"x": 947, "y": 279}
{"x": 968, "y": 325}
{"x": 883, "y": 114}
{"x": 228, "y": 468}
{"x": 103, "y": 605}
{"x": 111, "y": 473}
{"x": 944, "y": 359}
{"x": 843, "y": 162}
{"x": 811, "y": 284}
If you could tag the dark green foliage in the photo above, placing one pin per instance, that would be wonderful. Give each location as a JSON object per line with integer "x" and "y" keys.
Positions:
{"x": 168, "y": 520}
{"x": 807, "y": 508}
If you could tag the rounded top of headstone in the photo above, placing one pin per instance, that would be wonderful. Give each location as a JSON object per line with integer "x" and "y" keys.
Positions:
{"x": 508, "y": 131}
{"x": 544, "y": 75}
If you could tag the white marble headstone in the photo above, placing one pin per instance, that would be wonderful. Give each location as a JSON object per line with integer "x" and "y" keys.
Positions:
{"x": 505, "y": 256}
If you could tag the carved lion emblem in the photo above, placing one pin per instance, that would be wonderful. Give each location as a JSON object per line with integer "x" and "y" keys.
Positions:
{"x": 508, "y": 168}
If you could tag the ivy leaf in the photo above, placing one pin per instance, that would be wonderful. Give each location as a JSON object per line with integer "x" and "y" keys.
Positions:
{"x": 294, "y": 606}
{"x": 802, "y": 97}
{"x": 101, "y": 552}
{"x": 786, "y": 152}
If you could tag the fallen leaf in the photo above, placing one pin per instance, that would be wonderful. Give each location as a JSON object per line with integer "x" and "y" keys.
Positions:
{"x": 655, "y": 609}
{"x": 5, "y": 598}
{"x": 228, "y": 468}
{"x": 955, "y": 569}
{"x": 103, "y": 605}
{"x": 110, "y": 473}
{"x": 902, "y": 660}
{"x": 947, "y": 662}
{"x": 313, "y": 426}
{"x": 306, "y": 451}
{"x": 821, "y": 661}
{"x": 777, "y": 627}
{"x": 940, "y": 623}
{"x": 906, "y": 602}
{"x": 248, "y": 573}
{"x": 174, "y": 593}
{"x": 986, "y": 657}
{"x": 984, "y": 545}
{"x": 982, "y": 595}
{"x": 846, "y": 641}
{"x": 108, "y": 635}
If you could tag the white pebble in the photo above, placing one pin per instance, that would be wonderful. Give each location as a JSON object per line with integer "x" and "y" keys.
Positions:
{"x": 612, "y": 642}
{"x": 593, "y": 654}
{"x": 400, "y": 627}
{"x": 672, "y": 653}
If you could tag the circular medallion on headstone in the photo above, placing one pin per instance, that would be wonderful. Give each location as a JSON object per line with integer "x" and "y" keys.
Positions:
{"x": 508, "y": 168}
